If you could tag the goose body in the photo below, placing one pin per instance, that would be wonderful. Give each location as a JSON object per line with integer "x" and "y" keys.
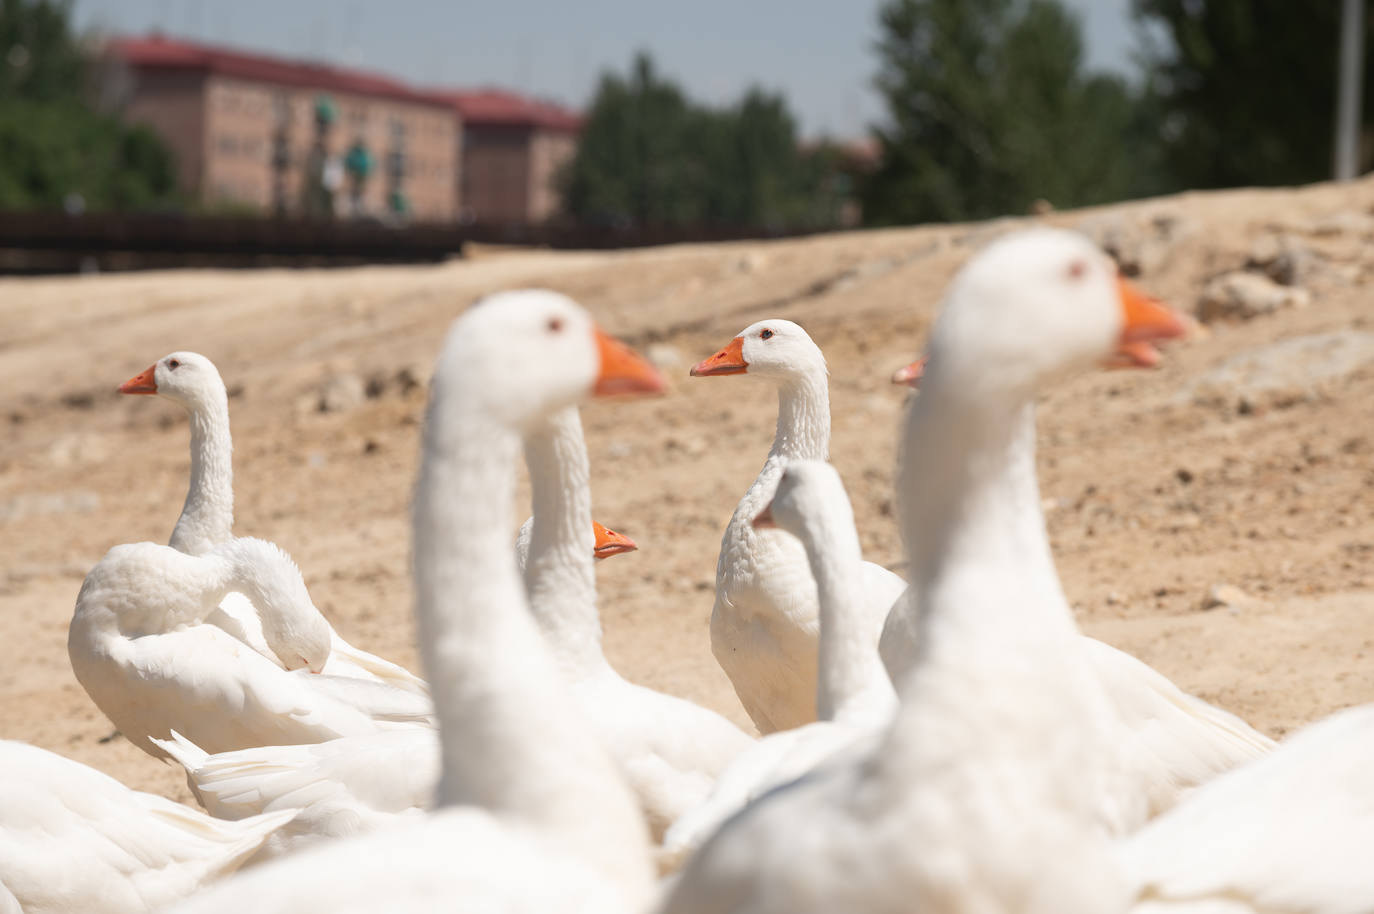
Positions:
{"x": 346, "y": 786}
{"x": 994, "y": 788}
{"x": 532, "y": 814}
{"x": 207, "y": 516}
{"x": 764, "y": 628}
{"x": 75, "y": 839}
{"x": 1286, "y": 834}
{"x": 854, "y": 697}
{"x": 1171, "y": 741}
{"x": 140, "y": 646}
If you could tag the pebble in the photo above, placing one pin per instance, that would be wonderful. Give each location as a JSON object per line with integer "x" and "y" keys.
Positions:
{"x": 341, "y": 393}
{"x": 1241, "y": 295}
{"x": 1228, "y": 595}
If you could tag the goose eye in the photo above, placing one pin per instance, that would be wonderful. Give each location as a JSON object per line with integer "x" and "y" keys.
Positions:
{"x": 174, "y": 363}
{"x": 1077, "y": 269}
{"x": 766, "y": 334}
{"x": 555, "y": 324}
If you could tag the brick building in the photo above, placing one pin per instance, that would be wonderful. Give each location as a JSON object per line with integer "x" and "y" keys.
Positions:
{"x": 246, "y": 130}
{"x": 264, "y": 133}
{"x": 513, "y": 149}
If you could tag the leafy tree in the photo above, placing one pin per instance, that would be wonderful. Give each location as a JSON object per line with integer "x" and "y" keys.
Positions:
{"x": 1246, "y": 87}
{"x": 988, "y": 110}
{"x": 40, "y": 58}
{"x": 650, "y": 156}
{"x": 53, "y": 146}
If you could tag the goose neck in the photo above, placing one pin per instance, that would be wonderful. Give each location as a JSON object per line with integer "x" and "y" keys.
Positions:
{"x": 848, "y": 663}
{"x": 974, "y": 529}
{"x": 207, "y": 516}
{"x": 511, "y": 740}
{"x": 560, "y": 574}
{"x": 803, "y": 431}
{"x": 468, "y": 603}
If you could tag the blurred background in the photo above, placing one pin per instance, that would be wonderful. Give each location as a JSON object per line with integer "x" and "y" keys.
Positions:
{"x": 137, "y": 132}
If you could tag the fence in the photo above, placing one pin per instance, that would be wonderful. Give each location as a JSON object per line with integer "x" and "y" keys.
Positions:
{"x": 57, "y": 242}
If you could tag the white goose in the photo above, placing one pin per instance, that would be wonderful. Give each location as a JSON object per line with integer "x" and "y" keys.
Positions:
{"x": 75, "y": 839}
{"x": 995, "y": 787}
{"x": 764, "y": 627}
{"x": 140, "y": 647}
{"x": 342, "y": 787}
{"x": 854, "y": 696}
{"x": 1173, "y": 741}
{"x": 207, "y": 516}
{"x": 1288, "y": 834}
{"x": 670, "y": 750}
{"x": 533, "y": 816}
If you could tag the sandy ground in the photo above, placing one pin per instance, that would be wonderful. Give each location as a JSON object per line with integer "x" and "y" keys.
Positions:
{"x": 1158, "y": 485}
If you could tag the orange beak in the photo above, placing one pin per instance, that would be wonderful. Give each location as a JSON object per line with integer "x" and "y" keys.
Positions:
{"x": 1143, "y": 322}
{"x": 142, "y": 383}
{"x": 609, "y": 543}
{"x": 910, "y": 375}
{"x": 764, "y": 519}
{"x": 623, "y": 372}
{"x": 729, "y": 360}
{"x": 1145, "y": 319}
{"x": 1134, "y": 355}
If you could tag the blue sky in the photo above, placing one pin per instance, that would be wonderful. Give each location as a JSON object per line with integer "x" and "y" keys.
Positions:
{"x": 817, "y": 52}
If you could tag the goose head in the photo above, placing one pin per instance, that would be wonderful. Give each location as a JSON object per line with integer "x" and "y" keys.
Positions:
{"x": 293, "y": 628}
{"x": 808, "y": 492}
{"x": 609, "y": 543}
{"x": 187, "y": 378}
{"x": 1035, "y": 305}
{"x": 910, "y": 375}
{"x": 774, "y": 348}
{"x": 562, "y": 356}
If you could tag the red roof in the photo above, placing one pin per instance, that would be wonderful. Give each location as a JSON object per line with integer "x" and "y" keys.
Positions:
{"x": 497, "y": 107}
{"x": 156, "y": 51}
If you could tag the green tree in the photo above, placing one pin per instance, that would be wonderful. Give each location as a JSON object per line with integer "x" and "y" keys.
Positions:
{"x": 650, "y": 156}
{"x": 989, "y": 109}
{"x": 40, "y": 59}
{"x": 53, "y": 146}
{"x": 1246, "y": 88}
{"x": 628, "y": 167}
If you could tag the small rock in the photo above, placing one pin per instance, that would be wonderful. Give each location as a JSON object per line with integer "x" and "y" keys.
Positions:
{"x": 412, "y": 377}
{"x": 1282, "y": 258}
{"x": 74, "y": 449}
{"x": 1343, "y": 222}
{"x": 1186, "y": 521}
{"x": 1283, "y": 374}
{"x": 1138, "y": 245}
{"x": 751, "y": 262}
{"x": 342, "y": 393}
{"x": 306, "y": 403}
{"x": 1241, "y": 295}
{"x": 376, "y": 386}
{"x": 79, "y": 400}
{"x": 692, "y": 447}
{"x": 1228, "y": 595}
{"x": 664, "y": 356}
{"x": 1183, "y": 475}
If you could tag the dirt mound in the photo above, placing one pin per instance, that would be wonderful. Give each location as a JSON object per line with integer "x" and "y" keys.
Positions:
{"x": 1159, "y": 486}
